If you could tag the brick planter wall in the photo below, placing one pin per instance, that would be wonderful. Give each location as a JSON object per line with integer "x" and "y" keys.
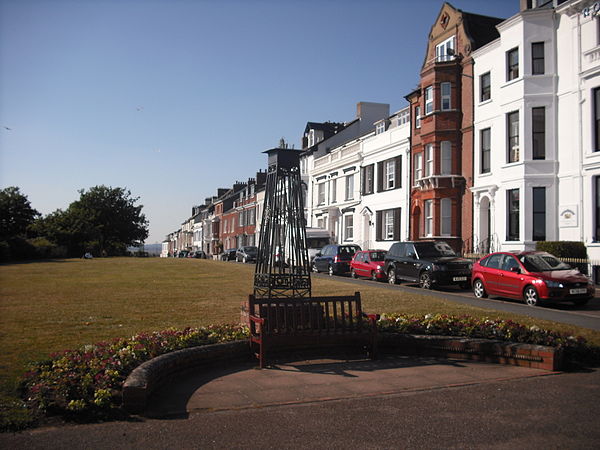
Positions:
{"x": 501, "y": 352}
{"x": 152, "y": 374}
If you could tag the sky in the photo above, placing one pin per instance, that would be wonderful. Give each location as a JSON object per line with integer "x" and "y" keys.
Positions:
{"x": 173, "y": 99}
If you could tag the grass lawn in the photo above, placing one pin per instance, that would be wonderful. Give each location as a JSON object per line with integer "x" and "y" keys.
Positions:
{"x": 51, "y": 306}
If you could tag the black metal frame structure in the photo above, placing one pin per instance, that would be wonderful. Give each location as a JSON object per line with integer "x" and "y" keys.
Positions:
{"x": 282, "y": 265}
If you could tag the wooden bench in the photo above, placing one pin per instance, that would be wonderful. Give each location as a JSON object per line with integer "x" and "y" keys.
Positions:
{"x": 292, "y": 322}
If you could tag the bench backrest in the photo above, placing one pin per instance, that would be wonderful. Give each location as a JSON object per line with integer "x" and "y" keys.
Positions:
{"x": 336, "y": 314}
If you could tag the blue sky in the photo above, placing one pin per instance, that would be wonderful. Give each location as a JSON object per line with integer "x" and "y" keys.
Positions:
{"x": 173, "y": 99}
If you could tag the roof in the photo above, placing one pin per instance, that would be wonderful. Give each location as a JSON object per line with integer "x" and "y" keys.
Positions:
{"x": 481, "y": 29}
{"x": 327, "y": 127}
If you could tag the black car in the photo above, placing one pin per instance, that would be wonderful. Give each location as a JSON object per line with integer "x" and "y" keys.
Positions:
{"x": 229, "y": 255}
{"x": 246, "y": 254}
{"x": 335, "y": 258}
{"x": 197, "y": 254}
{"x": 430, "y": 263}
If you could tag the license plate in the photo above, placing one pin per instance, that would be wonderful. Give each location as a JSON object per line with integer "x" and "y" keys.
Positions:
{"x": 459, "y": 279}
{"x": 577, "y": 291}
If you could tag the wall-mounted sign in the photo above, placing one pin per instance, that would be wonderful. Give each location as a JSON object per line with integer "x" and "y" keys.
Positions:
{"x": 568, "y": 216}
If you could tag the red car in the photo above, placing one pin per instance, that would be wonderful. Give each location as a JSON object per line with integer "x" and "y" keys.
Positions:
{"x": 534, "y": 277}
{"x": 368, "y": 263}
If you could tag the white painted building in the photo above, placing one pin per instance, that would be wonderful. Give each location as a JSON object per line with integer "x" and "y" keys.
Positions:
{"x": 358, "y": 190}
{"x": 383, "y": 214}
{"x": 578, "y": 91}
{"x": 516, "y": 158}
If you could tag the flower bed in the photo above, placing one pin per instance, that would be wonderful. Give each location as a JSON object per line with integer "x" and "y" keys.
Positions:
{"x": 86, "y": 383}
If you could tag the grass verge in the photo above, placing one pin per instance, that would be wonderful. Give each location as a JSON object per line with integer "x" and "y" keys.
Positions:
{"x": 50, "y": 306}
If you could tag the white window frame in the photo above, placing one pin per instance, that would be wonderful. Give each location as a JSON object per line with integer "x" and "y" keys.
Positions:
{"x": 350, "y": 187}
{"x": 446, "y": 157}
{"x": 418, "y": 117}
{"x": 446, "y": 96}
{"x": 428, "y": 217}
{"x": 380, "y": 127}
{"x": 446, "y": 225}
{"x": 389, "y": 174}
{"x": 418, "y": 166}
{"x": 441, "y": 50}
{"x": 349, "y": 227}
{"x": 428, "y": 100}
{"x": 321, "y": 193}
{"x": 333, "y": 191}
{"x": 388, "y": 221}
{"x": 429, "y": 167}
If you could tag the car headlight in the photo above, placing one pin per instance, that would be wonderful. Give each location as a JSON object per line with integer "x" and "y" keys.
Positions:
{"x": 553, "y": 284}
{"x": 379, "y": 267}
{"x": 470, "y": 266}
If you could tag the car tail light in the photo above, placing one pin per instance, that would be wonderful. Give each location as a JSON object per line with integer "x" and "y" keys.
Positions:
{"x": 336, "y": 259}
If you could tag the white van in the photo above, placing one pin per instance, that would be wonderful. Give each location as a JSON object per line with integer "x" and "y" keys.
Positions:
{"x": 316, "y": 239}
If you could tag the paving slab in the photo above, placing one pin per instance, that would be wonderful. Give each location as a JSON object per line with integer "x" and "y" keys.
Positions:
{"x": 297, "y": 379}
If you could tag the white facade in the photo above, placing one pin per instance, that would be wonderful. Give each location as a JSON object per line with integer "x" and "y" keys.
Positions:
{"x": 516, "y": 161}
{"x": 337, "y": 200}
{"x": 578, "y": 85}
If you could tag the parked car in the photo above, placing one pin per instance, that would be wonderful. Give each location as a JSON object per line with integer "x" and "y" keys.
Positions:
{"x": 200, "y": 254}
{"x": 430, "y": 263}
{"x": 228, "y": 255}
{"x": 534, "y": 277}
{"x": 182, "y": 254}
{"x": 246, "y": 254}
{"x": 316, "y": 239}
{"x": 335, "y": 259}
{"x": 368, "y": 263}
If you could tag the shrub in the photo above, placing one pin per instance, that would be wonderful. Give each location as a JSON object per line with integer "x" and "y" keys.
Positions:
{"x": 566, "y": 249}
{"x": 86, "y": 383}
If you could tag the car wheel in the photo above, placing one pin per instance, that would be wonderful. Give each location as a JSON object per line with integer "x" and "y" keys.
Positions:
{"x": 314, "y": 268}
{"x": 392, "y": 276}
{"x": 330, "y": 270}
{"x": 479, "y": 289}
{"x": 530, "y": 296}
{"x": 353, "y": 273}
{"x": 425, "y": 280}
{"x": 374, "y": 275}
{"x": 581, "y": 302}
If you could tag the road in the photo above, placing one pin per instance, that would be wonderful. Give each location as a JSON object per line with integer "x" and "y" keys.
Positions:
{"x": 587, "y": 316}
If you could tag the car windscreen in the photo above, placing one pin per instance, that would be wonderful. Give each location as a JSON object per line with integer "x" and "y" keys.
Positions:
{"x": 377, "y": 256}
{"x": 347, "y": 250}
{"x": 543, "y": 263}
{"x": 433, "y": 249}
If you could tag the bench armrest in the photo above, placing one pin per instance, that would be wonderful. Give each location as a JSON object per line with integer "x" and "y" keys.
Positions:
{"x": 258, "y": 320}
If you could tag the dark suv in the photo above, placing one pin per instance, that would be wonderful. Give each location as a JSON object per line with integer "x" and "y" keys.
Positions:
{"x": 430, "y": 263}
{"x": 335, "y": 259}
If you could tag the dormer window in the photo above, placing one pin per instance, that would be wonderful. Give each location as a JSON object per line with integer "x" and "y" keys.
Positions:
{"x": 445, "y": 50}
{"x": 379, "y": 127}
{"x": 311, "y": 138}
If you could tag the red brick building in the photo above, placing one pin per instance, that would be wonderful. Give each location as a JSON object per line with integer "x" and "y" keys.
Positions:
{"x": 442, "y": 129}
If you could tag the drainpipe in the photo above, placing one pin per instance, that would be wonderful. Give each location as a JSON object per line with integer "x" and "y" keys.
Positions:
{"x": 580, "y": 127}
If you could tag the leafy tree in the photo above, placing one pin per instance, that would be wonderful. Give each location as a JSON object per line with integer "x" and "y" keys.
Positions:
{"x": 104, "y": 220}
{"x": 109, "y": 219}
{"x": 16, "y": 213}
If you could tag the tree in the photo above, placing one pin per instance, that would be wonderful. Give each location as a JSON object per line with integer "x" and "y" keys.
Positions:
{"x": 104, "y": 220}
{"x": 16, "y": 213}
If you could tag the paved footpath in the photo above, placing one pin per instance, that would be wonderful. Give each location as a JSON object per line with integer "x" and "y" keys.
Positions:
{"x": 396, "y": 402}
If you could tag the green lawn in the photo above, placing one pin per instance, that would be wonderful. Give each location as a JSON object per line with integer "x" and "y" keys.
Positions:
{"x": 51, "y": 306}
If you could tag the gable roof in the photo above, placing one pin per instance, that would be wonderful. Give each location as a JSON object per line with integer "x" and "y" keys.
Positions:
{"x": 481, "y": 29}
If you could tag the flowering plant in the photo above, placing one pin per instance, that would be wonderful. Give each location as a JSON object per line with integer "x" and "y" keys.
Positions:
{"x": 88, "y": 381}
{"x": 576, "y": 348}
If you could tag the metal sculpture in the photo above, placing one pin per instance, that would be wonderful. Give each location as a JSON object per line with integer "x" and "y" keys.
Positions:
{"x": 282, "y": 265}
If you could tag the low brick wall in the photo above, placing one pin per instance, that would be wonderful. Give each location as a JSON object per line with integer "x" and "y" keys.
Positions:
{"x": 501, "y": 352}
{"x": 152, "y": 374}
